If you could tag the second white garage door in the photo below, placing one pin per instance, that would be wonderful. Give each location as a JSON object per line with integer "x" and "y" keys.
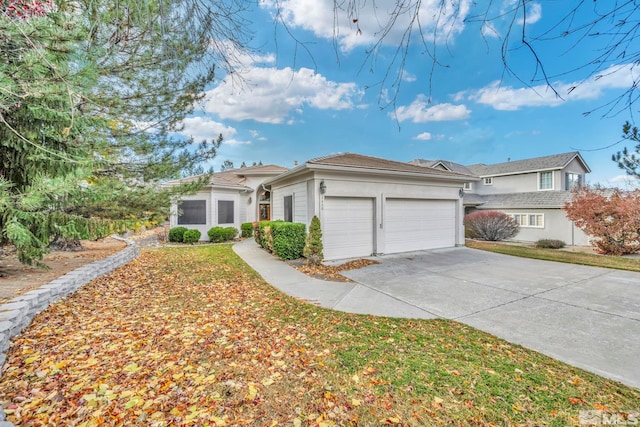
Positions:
{"x": 416, "y": 224}
{"x": 347, "y": 228}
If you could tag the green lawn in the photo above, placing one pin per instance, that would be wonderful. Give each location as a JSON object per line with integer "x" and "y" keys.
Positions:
{"x": 192, "y": 336}
{"x": 594, "y": 260}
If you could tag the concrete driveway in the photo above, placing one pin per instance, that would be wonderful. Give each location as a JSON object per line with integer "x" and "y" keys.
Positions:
{"x": 588, "y": 317}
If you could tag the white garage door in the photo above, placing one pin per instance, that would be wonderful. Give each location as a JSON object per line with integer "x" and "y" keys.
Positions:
{"x": 347, "y": 228}
{"x": 415, "y": 224}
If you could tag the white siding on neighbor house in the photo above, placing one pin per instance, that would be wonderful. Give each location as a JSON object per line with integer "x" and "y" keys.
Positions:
{"x": 299, "y": 192}
{"x": 418, "y": 224}
{"x": 556, "y": 226}
{"x": 520, "y": 183}
{"x": 573, "y": 167}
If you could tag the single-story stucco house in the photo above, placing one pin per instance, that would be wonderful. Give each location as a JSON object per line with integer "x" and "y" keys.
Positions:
{"x": 367, "y": 205}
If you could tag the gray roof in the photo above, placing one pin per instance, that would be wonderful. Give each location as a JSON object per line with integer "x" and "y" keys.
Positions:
{"x": 556, "y": 161}
{"x": 235, "y": 178}
{"x": 530, "y": 200}
{"x": 367, "y": 162}
{"x": 452, "y": 166}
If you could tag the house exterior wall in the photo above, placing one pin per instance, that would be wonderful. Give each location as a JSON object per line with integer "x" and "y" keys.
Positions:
{"x": 573, "y": 167}
{"x": 297, "y": 189}
{"x": 517, "y": 183}
{"x": 205, "y": 195}
{"x": 556, "y": 226}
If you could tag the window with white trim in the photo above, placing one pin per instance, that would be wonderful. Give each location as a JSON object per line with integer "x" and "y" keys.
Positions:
{"x": 545, "y": 180}
{"x": 467, "y": 186}
{"x": 488, "y": 180}
{"x": 192, "y": 212}
{"x": 572, "y": 181}
{"x": 529, "y": 220}
{"x": 225, "y": 212}
{"x": 288, "y": 208}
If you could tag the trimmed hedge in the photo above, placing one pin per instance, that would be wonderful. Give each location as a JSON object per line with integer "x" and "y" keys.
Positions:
{"x": 247, "y": 229}
{"x": 550, "y": 244}
{"x": 222, "y": 234}
{"x": 191, "y": 236}
{"x": 176, "y": 234}
{"x": 285, "y": 239}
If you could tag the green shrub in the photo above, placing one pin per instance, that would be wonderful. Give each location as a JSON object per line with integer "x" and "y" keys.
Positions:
{"x": 217, "y": 234}
{"x": 191, "y": 236}
{"x": 550, "y": 244}
{"x": 222, "y": 234}
{"x": 247, "y": 229}
{"x": 263, "y": 235}
{"x": 176, "y": 234}
{"x": 230, "y": 233}
{"x": 288, "y": 239}
{"x": 313, "y": 243}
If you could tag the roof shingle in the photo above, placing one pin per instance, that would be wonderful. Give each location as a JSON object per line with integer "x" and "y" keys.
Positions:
{"x": 556, "y": 161}
{"x": 368, "y": 162}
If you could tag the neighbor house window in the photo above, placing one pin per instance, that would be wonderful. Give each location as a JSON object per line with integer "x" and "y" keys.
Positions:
{"x": 288, "y": 208}
{"x": 488, "y": 181}
{"x": 572, "y": 181}
{"x": 545, "y": 181}
{"x": 225, "y": 212}
{"x": 467, "y": 186}
{"x": 529, "y": 220}
{"x": 192, "y": 212}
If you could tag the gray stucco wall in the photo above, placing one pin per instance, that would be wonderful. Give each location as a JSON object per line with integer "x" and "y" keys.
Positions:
{"x": 556, "y": 226}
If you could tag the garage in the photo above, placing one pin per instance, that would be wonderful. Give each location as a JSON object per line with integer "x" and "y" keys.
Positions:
{"x": 348, "y": 225}
{"x": 419, "y": 224}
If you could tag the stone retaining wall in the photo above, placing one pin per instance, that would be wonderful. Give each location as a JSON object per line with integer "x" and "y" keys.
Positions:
{"x": 17, "y": 313}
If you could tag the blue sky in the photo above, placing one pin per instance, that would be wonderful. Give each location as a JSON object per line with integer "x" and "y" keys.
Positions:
{"x": 297, "y": 102}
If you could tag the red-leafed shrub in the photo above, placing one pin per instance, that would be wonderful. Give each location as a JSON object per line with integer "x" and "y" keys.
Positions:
{"x": 611, "y": 217}
{"x": 490, "y": 225}
{"x": 25, "y": 8}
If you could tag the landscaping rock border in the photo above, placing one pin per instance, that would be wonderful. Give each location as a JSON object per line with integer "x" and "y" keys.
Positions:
{"x": 17, "y": 313}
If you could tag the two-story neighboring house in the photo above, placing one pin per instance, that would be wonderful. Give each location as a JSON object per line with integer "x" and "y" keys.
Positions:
{"x": 532, "y": 191}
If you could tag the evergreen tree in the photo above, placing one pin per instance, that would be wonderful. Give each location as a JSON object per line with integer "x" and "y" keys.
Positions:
{"x": 313, "y": 244}
{"x": 90, "y": 95}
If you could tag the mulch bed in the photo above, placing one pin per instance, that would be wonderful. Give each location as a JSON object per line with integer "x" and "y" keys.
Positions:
{"x": 331, "y": 272}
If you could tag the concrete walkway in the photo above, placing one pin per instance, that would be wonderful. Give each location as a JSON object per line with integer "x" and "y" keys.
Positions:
{"x": 585, "y": 316}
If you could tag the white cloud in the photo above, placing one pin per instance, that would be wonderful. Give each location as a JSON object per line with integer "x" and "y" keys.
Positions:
{"x": 424, "y": 136}
{"x": 489, "y": 30}
{"x": 507, "y": 98}
{"x": 256, "y": 135}
{"x": 419, "y": 111}
{"x": 326, "y": 21}
{"x": 625, "y": 181}
{"x": 271, "y": 95}
{"x": 408, "y": 77}
{"x": 534, "y": 13}
{"x": 204, "y": 128}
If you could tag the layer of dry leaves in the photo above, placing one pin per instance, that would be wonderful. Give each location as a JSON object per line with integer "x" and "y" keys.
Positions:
{"x": 333, "y": 272}
{"x": 166, "y": 340}
{"x": 193, "y": 337}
